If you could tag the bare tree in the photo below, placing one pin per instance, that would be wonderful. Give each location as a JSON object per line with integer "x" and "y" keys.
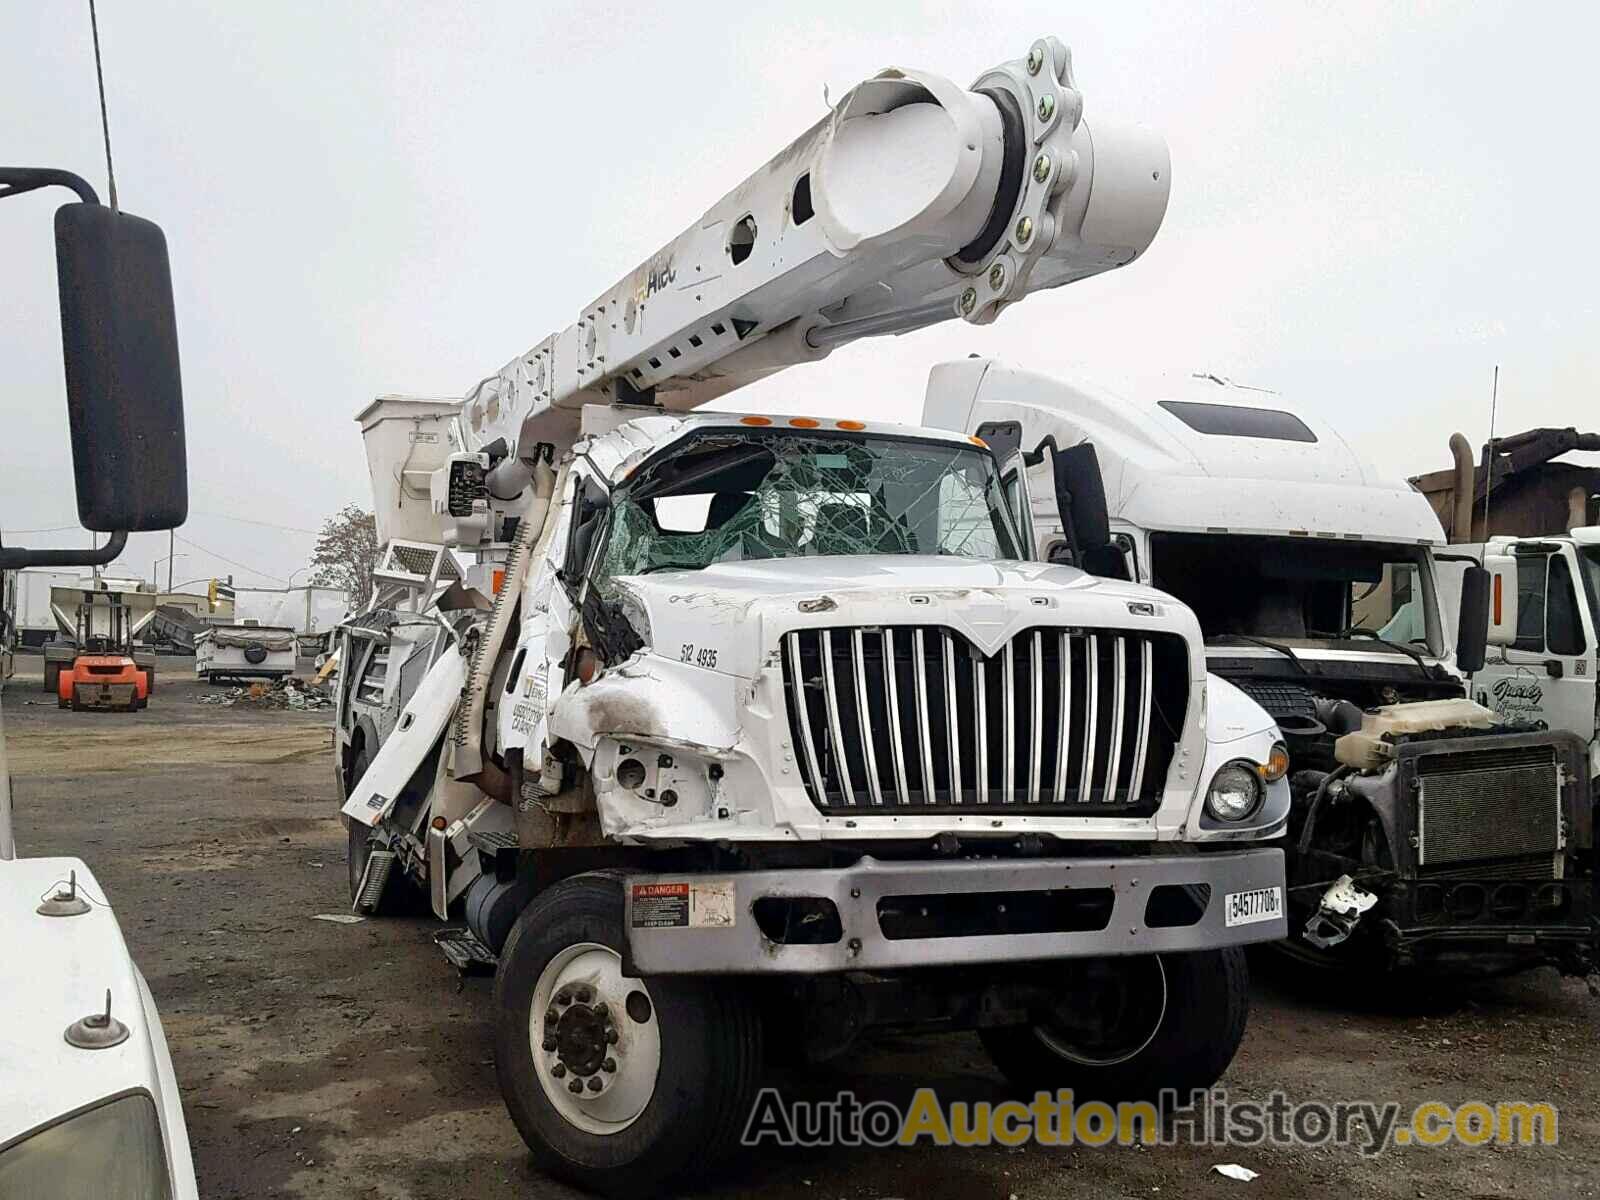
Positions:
{"x": 346, "y": 553}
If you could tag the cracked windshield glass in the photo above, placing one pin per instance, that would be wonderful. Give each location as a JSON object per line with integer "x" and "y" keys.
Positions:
{"x": 733, "y": 497}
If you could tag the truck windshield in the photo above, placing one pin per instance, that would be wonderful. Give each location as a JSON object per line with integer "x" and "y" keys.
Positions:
{"x": 1301, "y": 591}
{"x": 736, "y": 495}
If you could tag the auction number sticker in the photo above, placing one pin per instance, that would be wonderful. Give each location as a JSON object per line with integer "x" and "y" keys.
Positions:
{"x": 703, "y": 904}
{"x": 1247, "y": 908}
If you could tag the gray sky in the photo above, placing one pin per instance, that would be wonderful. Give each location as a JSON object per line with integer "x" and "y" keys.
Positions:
{"x": 1372, "y": 205}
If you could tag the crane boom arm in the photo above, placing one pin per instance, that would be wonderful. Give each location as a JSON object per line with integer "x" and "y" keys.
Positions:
{"x": 912, "y": 202}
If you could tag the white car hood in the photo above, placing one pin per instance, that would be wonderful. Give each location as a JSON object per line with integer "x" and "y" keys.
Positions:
{"x": 704, "y": 617}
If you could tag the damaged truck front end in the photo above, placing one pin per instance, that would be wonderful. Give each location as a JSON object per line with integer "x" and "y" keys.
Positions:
{"x": 784, "y": 722}
{"x": 1463, "y": 849}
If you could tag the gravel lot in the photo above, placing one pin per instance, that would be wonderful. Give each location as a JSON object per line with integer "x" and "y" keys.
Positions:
{"x": 322, "y": 1060}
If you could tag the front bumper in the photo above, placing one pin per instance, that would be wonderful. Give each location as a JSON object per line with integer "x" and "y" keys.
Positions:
{"x": 705, "y": 924}
{"x": 1488, "y": 923}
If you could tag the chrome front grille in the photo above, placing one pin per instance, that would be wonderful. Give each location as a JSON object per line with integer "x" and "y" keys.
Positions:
{"x": 1059, "y": 720}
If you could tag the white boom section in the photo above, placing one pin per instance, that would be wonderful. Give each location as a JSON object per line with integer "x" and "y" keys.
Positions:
{"x": 913, "y": 201}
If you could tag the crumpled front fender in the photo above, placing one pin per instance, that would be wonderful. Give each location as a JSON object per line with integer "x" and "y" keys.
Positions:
{"x": 655, "y": 699}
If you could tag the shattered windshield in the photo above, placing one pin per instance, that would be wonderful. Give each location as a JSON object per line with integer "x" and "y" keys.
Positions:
{"x": 737, "y": 495}
{"x": 1299, "y": 591}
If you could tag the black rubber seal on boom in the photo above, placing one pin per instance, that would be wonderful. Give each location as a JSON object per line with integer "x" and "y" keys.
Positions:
{"x": 1013, "y": 166}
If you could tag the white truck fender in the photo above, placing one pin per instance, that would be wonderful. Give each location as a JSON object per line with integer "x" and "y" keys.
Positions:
{"x": 421, "y": 722}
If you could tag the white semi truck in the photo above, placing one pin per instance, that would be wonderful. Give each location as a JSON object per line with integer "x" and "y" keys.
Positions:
{"x": 713, "y": 730}
{"x": 1424, "y": 832}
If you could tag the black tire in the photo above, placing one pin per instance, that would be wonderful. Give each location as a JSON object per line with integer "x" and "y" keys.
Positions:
{"x": 710, "y": 1055}
{"x": 1207, "y": 1004}
{"x": 52, "y": 676}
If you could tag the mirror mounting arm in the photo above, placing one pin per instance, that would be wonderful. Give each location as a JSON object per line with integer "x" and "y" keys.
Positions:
{"x": 14, "y": 181}
{"x": 14, "y": 558}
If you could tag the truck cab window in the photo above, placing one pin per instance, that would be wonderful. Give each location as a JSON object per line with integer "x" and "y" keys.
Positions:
{"x": 1548, "y": 621}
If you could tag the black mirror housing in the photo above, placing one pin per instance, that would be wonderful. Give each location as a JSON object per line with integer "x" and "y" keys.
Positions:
{"x": 1081, "y": 497}
{"x": 119, "y": 339}
{"x": 1472, "y": 631}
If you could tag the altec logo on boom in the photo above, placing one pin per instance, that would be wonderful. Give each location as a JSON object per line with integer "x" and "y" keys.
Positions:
{"x": 1205, "y": 1118}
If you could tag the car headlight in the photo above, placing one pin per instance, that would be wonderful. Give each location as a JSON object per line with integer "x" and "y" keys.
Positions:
{"x": 1235, "y": 792}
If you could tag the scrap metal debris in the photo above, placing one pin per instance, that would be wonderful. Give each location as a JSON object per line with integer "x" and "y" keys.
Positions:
{"x": 287, "y": 692}
{"x": 1235, "y": 1171}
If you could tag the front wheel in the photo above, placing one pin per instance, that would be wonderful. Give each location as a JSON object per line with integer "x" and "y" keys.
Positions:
{"x": 1130, "y": 1028}
{"x": 618, "y": 1085}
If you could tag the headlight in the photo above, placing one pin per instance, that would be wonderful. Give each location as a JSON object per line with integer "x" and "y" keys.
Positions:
{"x": 1235, "y": 792}
{"x": 114, "y": 1151}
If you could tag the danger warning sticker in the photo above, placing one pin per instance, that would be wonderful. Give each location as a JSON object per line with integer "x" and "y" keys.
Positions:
{"x": 683, "y": 905}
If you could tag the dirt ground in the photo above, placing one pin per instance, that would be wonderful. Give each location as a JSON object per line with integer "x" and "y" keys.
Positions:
{"x": 320, "y": 1060}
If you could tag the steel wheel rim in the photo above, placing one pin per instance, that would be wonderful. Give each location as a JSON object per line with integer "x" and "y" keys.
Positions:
{"x": 1089, "y": 1058}
{"x": 584, "y": 1028}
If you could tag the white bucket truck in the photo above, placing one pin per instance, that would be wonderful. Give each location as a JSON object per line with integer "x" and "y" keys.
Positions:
{"x": 1424, "y": 832}
{"x": 716, "y": 730}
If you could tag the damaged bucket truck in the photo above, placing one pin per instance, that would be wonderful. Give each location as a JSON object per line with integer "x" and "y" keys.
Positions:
{"x": 717, "y": 731}
{"x": 1426, "y": 832}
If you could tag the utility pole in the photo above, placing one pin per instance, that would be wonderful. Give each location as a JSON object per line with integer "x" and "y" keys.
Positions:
{"x": 170, "y": 537}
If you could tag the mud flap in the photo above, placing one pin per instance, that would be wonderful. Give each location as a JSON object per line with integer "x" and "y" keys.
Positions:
{"x": 421, "y": 722}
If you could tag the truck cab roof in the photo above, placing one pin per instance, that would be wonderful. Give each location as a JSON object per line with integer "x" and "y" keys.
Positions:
{"x": 1193, "y": 451}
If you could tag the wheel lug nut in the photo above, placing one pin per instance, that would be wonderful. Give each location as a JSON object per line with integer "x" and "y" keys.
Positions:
{"x": 559, "y": 1070}
{"x": 594, "y": 1083}
{"x": 611, "y": 1037}
{"x": 564, "y": 996}
{"x": 581, "y": 995}
{"x": 551, "y": 1016}
{"x": 609, "y": 1066}
{"x": 604, "y": 1013}
{"x": 549, "y": 1044}
{"x": 575, "y": 1086}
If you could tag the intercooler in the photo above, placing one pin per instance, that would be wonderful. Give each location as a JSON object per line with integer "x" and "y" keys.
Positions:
{"x": 1078, "y": 721}
{"x": 1475, "y": 806}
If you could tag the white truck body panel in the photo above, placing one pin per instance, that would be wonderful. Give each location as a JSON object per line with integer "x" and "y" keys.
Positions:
{"x": 1547, "y": 674}
{"x": 226, "y": 651}
{"x": 34, "y": 585}
{"x": 55, "y": 971}
{"x": 1160, "y": 473}
{"x": 307, "y": 610}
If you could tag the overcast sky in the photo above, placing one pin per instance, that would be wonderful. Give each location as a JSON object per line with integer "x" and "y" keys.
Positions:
{"x": 1372, "y": 205}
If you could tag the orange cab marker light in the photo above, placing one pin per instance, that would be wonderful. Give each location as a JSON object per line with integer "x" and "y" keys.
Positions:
{"x": 978, "y": 441}
{"x": 499, "y": 581}
{"x": 755, "y": 420}
{"x": 852, "y": 425}
{"x": 1497, "y": 599}
{"x": 804, "y": 422}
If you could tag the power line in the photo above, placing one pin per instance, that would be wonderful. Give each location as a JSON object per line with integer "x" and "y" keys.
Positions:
{"x": 48, "y": 529}
{"x": 232, "y": 563}
{"x": 199, "y": 512}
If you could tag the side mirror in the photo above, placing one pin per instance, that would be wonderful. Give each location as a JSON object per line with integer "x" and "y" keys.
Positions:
{"x": 1472, "y": 628}
{"x": 1502, "y": 610}
{"x": 1081, "y": 497}
{"x": 119, "y": 337}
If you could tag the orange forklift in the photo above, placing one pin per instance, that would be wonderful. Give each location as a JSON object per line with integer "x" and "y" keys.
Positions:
{"x": 96, "y": 668}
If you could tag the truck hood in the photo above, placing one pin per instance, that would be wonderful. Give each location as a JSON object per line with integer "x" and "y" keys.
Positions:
{"x": 728, "y": 617}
